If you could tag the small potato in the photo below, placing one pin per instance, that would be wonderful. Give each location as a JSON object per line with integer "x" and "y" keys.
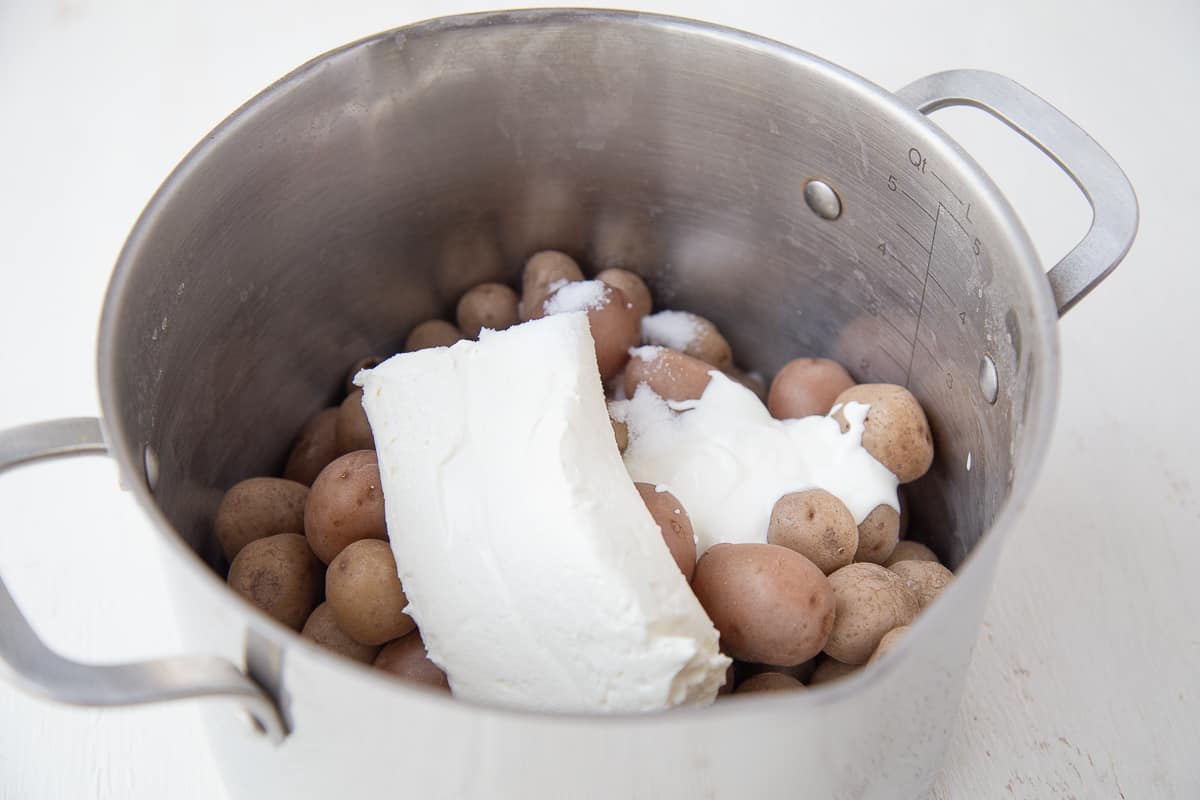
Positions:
{"x": 406, "y": 658}
{"x": 816, "y": 525}
{"x": 364, "y": 590}
{"x": 345, "y": 505}
{"x": 896, "y": 431}
{"x": 926, "y": 579}
{"x": 280, "y": 575}
{"x": 353, "y": 428}
{"x": 315, "y": 446}
{"x": 768, "y": 682}
{"x": 807, "y": 386}
{"x": 669, "y": 373}
{"x": 888, "y": 641}
{"x": 829, "y": 670}
{"x": 690, "y": 334}
{"x": 675, "y": 525}
{"x": 801, "y": 672}
{"x": 367, "y": 362}
{"x": 543, "y": 270}
{"x": 323, "y": 629}
{"x": 770, "y": 604}
{"x": 432, "y": 333}
{"x": 488, "y": 305}
{"x": 632, "y": 286}
{"x": 258, "y": 507}
{"x": 871, "y": 601}
{"x": 621, "y": 434}
{"x": 878, "y": 534}
{"x": 611, "y": 317}
{"x": 910, "y": 551}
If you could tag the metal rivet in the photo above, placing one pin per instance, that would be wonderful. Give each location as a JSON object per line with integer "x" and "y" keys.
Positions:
{"x": 150, "y": 463}
{"x": 822, "y": 199}
{"x": 989, "y": 382}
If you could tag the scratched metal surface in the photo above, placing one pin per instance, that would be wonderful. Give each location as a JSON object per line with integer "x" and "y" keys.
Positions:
{"x": 1082, "y": 610}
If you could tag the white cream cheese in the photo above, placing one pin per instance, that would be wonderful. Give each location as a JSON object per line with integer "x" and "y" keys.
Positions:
{"x": 728, "y": 460}
{"x": 536, "y": 574}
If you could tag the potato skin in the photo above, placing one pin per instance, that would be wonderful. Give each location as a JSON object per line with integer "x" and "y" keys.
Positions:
{"x": 770, "y": 604}
{"x": 432, "y": 333}
{"x": 926, "y": 579}
{"x": 829, "y": 670}
{"x": 614, "y": 325}
{"x": 817, "y": 525}
{"x": 889, "y": 641}
{"x": 878, "y": 534}
{"x": 406, "y": 658}
{"x": 871, "y": 600}
{"x": 676, "y": 527}
{"x": 768, "y": 682}
{"x": 258, "y": 507}
{"x": 909, "y": 550}
{"x": 322, "y": 628}
{"x": 707, "y": 344}
{"x": 621, "y": 434}
{"x": 345, "y": 505}
{"x": 314, "y": 447}
{"x": 353, "y": 429}
{"x": 280, "y": 575}
{"x": 632, "y": 286}
{"x": 363, "y": 587}
{"x": 896, "y": 431}
{"x": 543, "y": 270}
{"x": 807, "y": 386}
{"x": 488, "y": 305}
{"x": 669, "y": 373}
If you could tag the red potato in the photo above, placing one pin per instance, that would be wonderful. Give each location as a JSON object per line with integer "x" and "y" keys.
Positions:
{"x": 345, "y": 505}
{"x": 675, "y": 525}
{"x": 770, "y": 604}
{"x": 807, "y": 386}
{"x": 613, "y": 321}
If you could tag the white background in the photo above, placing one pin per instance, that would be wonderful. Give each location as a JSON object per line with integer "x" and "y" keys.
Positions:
{"x": 1086, "y": 680}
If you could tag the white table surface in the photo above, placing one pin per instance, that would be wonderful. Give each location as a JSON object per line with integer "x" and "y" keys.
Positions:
{"x": 1085, "y": 681}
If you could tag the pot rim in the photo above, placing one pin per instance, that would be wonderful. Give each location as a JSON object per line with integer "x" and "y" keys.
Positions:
{"x": 1039, "y": 418}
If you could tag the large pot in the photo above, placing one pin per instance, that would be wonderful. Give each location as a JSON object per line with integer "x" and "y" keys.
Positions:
{"x": 800, "y": 207}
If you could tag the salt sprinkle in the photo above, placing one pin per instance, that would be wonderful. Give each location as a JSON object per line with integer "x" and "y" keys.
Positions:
{"x": 576, "y": 296}
{"x": 674, "y": 329}
{"x": 647, "y": 352}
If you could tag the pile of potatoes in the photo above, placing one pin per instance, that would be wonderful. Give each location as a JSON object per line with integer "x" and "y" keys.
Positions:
{"x": 822, "y": 597}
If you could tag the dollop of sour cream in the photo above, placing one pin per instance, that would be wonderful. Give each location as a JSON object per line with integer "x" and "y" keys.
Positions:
{"x": 728, "y": 460}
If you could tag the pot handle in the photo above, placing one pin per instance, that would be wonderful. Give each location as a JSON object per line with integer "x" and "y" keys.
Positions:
{"x": 1108, "y": 191}
{"x": 27, "y": 661}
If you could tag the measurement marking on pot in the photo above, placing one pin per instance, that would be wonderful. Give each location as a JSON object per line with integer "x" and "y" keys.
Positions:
{"x": 956, "y": 222}
{"x": 907, "y": 268}
{"x": 924, "y": 210}
{"x": 938, "y": 284}
{"x": 928, "y": 250}
{"x": 921, "y": 308}
{"x": 946, "y": 185}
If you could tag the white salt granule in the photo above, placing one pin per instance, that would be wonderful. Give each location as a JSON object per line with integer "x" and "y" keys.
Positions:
{"x": 645, "y": 352}
{"x": 576, "y": 296}
{"x": 674, "y": 329}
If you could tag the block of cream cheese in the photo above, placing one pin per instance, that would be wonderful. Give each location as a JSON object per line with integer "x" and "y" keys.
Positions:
{"x": 536, "y": 574}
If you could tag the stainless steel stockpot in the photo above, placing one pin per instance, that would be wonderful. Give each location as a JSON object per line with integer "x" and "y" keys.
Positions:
{"x": 798, "y": 206}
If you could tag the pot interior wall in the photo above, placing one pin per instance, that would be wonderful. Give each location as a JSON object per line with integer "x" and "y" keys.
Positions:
{"x": 366, "y": 192}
